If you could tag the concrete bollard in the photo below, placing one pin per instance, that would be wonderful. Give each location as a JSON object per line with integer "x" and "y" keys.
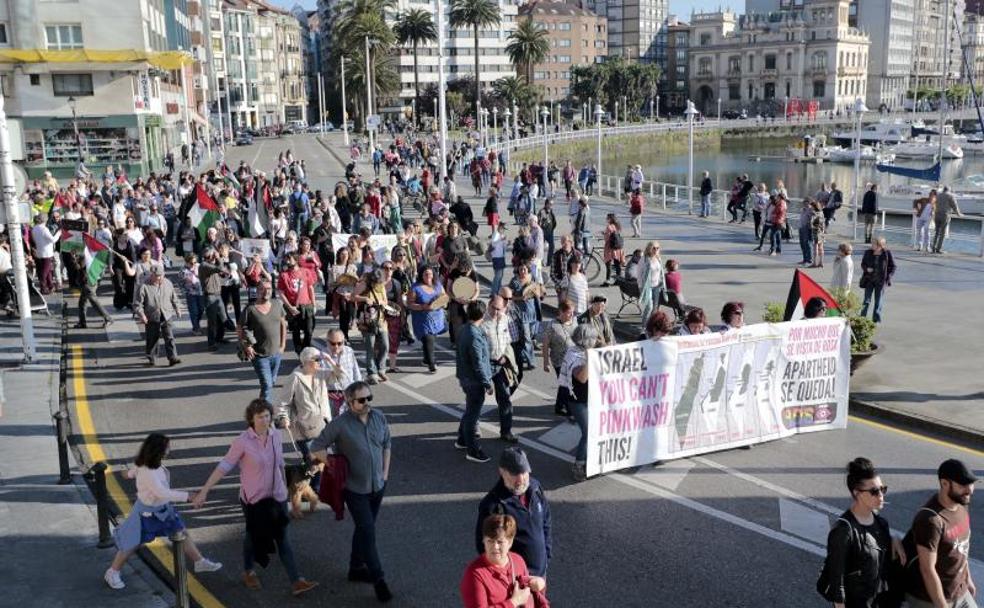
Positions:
{"x": 178, "y": 540}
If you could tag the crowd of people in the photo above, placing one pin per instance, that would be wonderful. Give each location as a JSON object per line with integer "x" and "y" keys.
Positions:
{"x": 357, "y": 258}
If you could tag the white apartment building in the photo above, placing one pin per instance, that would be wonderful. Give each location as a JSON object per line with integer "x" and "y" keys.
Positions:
{"x": 759, "y": 62}
{"x": 973, "y": 39}
{"x": 928, "y": 63}
{"x": 259, "y": 64}
{"x": 129, "y": 107}
{"x": 891, "y": 26}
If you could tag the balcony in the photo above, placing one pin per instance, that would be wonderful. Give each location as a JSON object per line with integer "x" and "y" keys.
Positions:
{"x": 705, "y": 75}
{"x": 818, "y": 70}
{"x": 769, "y": 72}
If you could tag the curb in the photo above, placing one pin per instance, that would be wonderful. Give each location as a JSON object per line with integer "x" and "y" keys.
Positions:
{"x": 936, "y": 428}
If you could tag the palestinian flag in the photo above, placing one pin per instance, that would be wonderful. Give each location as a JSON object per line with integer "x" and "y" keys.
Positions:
{"x": 230, "y": 178}
{"x": 204, "y": 212}
{"x": 800, "y": 292}
{"x": 96, "y": 258}
{"x": 71, "y": 240}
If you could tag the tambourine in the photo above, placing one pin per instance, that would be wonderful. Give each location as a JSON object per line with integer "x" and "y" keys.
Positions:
{"x": 390, "y": 311}
{"x": 346, "y": 280}
{"x": 441, "y": 301}
{"x": 531, "y": 291}
{"x": 463, "y": 288}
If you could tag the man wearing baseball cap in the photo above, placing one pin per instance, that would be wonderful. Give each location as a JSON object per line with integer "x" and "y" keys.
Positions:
{"x": 941, "y": 535}
{"x": 520, "y": 495}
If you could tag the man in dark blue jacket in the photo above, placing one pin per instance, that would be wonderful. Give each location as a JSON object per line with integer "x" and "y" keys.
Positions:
{"x": 474, "y": 373}
{"x": 518, "y": 494}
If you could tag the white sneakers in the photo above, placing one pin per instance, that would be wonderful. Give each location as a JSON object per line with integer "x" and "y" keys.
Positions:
{"x": 206, "y": 565}
{"x": 113, "y": 579}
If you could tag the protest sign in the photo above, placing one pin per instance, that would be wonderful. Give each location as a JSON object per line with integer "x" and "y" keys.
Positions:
{"x": 686, "y": 395}
{"x": 381, "y": 245}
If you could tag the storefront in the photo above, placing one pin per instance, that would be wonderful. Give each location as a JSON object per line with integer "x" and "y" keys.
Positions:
{"x": 133, "y": 140}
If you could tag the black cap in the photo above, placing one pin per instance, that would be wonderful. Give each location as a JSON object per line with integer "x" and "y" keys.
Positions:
{"x": 954, "y": 470}
{"x": 515, "y": 461}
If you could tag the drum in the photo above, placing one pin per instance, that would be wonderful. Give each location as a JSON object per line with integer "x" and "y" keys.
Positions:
{"x": 531, "y": 291}
{"x": 441, "y": 301}
{"x": 463, "y": 288}
{"x": 346, "y": 280}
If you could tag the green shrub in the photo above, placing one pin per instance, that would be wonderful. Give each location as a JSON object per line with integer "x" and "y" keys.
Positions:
{"x": 774, "y": 312}
{"x": 862, "y": 328}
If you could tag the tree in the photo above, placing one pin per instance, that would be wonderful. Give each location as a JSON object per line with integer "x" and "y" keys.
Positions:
{"x": 616, "y": 78}
{"x": 414, "y": 27}
{"x": 355, "y": 21}
{"x": 528, "y": 45}
{"x": 475, "y": 14}
{"x": 509, "y": 89}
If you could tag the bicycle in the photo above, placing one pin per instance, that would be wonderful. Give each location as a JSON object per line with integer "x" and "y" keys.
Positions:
{"x": 591, "y": 264}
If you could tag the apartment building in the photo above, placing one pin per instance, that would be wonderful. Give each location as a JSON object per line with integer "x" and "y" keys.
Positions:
{"x": 577, "y": 37}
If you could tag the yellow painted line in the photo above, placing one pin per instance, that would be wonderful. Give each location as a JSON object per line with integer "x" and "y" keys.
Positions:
{"x": 90, "y": 442}
{"x": 911, "y": 435}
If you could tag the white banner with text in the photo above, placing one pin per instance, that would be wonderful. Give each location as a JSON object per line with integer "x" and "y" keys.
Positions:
{"x": 688, "y": 395}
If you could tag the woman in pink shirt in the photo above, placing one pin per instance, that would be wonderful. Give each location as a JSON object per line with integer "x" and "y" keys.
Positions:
{"x": 258, "y": 452}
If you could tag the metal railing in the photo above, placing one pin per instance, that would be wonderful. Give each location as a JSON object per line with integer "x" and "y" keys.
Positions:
{"x": 674, "y": 198}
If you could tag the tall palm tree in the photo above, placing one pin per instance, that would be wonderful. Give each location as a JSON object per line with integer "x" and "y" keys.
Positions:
{"x": 357, "y": 20}
{"x": 414, "y": 27}
{"x": 475, "y": 14}
{"x": 529, "y": 44}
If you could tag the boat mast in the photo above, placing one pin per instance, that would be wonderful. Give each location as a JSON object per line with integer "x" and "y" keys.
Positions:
{"x": 946, "y": 69}
{"x": 918, "y": 53}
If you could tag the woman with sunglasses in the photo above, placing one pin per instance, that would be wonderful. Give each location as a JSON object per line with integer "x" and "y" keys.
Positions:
{"x": 860, "y": 545}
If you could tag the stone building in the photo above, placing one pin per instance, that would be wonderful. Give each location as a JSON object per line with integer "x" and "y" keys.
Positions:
{"x": 577, "y": 37}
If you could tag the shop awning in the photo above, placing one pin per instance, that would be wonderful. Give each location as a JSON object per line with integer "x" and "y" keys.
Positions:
{"x": 165, "y": 60}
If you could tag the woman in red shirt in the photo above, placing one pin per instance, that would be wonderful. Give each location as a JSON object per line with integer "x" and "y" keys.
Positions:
{"x": 498, "y": 578}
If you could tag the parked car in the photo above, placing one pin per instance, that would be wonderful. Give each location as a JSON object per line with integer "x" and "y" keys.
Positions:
{"x": 243, "y": 138}
{"x": 317, "y": 128}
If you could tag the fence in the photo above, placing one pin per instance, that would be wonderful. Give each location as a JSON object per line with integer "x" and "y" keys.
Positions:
{"x": 675, "y": 198}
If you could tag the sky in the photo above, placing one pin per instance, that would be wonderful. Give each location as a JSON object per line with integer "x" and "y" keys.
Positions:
{"x": 680, "y": 8}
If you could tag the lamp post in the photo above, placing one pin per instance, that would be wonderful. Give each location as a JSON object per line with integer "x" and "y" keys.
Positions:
{"x": 372, "y": 143}
{"x": 719, "y": 109}
{"x": 785, "y": 109}
{"x": 545, "y": 113}
{"x": 690, "y": 113}
{"x": 598, "y": 114}
{"x": 442, "y": 90}
{"x": 584, "y": 113}
{"x": 435, "y": 111}
{"x": 72, "y": 102}
{"x": 625, "y": 108}
{"x": 657, "y": 106}
{"x": 495, "y": 125}
{"x": 650, "y": 110}
{"x": 485, "y": 125}
{"x": 616, "y": 113}
{"x": 344, "y": 110}
{"x": 859, "y": 109}
{"x": 507, "y": 114}
{"x": 515, "y": 120}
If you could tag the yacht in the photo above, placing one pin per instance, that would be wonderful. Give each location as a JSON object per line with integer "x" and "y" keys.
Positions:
{"x": 868, "y": 154}
{"x": 927, "y": 150}
{"x": 882, "y": 132}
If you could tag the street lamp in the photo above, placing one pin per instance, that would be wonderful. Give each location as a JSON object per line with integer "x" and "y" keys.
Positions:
{"x": 785, "y": 109}
{"x": 344, "y": 110}
{"x": 616, "y": 113}
{"x": 72, "y": 102}
{"x": 859, "y": 109}
{"x": 515, "y": 120}
{"x": 650, "y": 109}
{"x": 598, "y": 114}
{"x": 719, "y": 109}
{"x": 507, "y": 114}
{"x": 495, "y": 125}
{"x": 435, "y": 110}
{"x": 545, "y": 113}
{"x": 483, "y": 125}
{"x": 690, "y": 113}
{"x": 584, "y": 113}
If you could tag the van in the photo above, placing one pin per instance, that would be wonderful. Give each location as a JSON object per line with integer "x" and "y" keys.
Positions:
{"x": 297, "y": 126}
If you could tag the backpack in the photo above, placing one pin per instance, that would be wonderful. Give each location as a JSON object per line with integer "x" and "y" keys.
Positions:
{"x": 297, "y": 202}
{"x": 615, "y": 241}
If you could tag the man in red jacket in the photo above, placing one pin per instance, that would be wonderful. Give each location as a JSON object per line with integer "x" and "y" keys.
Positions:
{"x": 296, "y": 287}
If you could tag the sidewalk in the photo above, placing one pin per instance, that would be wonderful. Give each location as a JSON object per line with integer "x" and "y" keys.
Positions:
{"x": 50, "y": 530}
{"x": 927, "y": 373}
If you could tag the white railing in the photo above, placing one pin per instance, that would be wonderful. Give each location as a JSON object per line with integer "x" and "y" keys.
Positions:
{"x": 674, "y": 198}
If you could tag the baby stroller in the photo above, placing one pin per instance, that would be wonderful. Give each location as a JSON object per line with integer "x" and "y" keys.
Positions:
{"x": 38, "y": 303}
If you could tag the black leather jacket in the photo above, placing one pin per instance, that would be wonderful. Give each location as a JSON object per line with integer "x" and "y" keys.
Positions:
{"x": 857, "y": 558}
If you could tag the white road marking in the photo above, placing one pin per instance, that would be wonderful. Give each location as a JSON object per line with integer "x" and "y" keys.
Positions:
{"x": 668, "y": 475}
{"x": 257, "y": 155}
{"x": 421, "y": 380}
{"x": 803, "y": 521}
{"x": 564, "y": 436}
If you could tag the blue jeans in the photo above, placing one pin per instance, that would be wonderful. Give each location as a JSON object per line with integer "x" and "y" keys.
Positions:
{"x": 196, "y": 306}
{"x": 806, "y": 244}
{"x": 365, "y": 509}
{"x": 474, "y": 400}
{"x": 877, "y": 290}
{"x": 502, "y": 399}
{"x": 580, "y": 412}
{"x": 267, "y": 368}
{"x": 705, "y": 205}
{"x": 548, "y": 238}
{"x": 775, "y": 239}
{"x": 283, "y": 550}
{"x": 377, "y": 345}
{"x": 300, "y": 221}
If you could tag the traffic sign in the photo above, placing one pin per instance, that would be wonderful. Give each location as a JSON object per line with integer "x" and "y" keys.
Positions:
{"x": 372, "y": 122}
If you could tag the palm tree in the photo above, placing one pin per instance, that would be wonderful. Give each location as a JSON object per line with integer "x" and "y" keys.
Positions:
{"x": 528, "y": 45}
{"x": 358, "y": 20}
{"x": 476, "y": 14}
{"x": 413, "y": 27}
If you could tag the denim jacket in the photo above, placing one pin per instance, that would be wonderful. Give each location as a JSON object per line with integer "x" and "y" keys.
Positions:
{"x": 472, "y": 357}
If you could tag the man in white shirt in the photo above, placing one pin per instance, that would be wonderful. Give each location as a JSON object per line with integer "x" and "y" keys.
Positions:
{"x": 340, "y": 358}
{"x": 503, "y": 360}
{"x": 44, "y": 252}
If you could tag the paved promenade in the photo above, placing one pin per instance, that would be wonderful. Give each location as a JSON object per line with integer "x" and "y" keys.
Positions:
{"x": 927, "y": 374}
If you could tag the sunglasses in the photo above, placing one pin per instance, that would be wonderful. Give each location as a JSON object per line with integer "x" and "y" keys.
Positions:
{"x": 363, "y": 399}
{"x": 882, "y": 490}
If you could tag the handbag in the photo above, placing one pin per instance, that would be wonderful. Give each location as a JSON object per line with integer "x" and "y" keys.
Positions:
{"x": 370, "y": 319}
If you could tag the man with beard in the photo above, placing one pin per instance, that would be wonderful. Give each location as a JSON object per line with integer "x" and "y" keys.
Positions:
{"x": 520, "y": 495}
{"x": 941, "y": 535}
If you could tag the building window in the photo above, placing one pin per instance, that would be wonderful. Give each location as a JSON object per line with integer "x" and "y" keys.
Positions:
{"x": 681, "y": 39}
{"x": 770, "y": 62}
{"x": 563, "y": 58}
{"x": 788, "y": 88}
{"x": 66, "y": 85}
{"x": 750, "y": 91}
{"x": 3, "y": 34}
{"x": 705, "y": 39}
{"x": 734, "y": 91}
{"x": 704, "y": 66}
{"x": 734, "y": 65}
{"x": 63, "y": 36}
{"x": 769, "y": 90}
{"x": 35, "y": 80}
{"x": 789, "y": 61}
{"x": 564, "y": 27}
{"x": 751, "y": 63}
{"x": 819, "y": 89}
{"x": 566, "y": 42}
{"x": 820, "y": 60}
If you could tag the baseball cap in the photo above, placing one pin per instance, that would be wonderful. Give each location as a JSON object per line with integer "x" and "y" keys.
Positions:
{"x": 515, "y": 461}
{"x": 954, "y": 470}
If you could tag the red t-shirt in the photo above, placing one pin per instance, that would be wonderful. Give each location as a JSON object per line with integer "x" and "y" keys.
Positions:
{"x": 674, "y": 282}
{"x": 310, "y": 261}
{"x": 295, "y": 286}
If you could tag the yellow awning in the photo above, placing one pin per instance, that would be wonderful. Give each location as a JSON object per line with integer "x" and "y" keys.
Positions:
{"x": 166, "y": 60}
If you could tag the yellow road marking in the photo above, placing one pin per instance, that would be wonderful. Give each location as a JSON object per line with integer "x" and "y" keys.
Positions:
{"x": 90, "y": 443}
{"x": 910, "y": 434}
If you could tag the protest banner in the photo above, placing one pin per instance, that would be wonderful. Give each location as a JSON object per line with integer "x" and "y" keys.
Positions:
{"x": 249, "y": 247}
{"x": 381, "y": 244}
{"x": 687, "y": 395}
